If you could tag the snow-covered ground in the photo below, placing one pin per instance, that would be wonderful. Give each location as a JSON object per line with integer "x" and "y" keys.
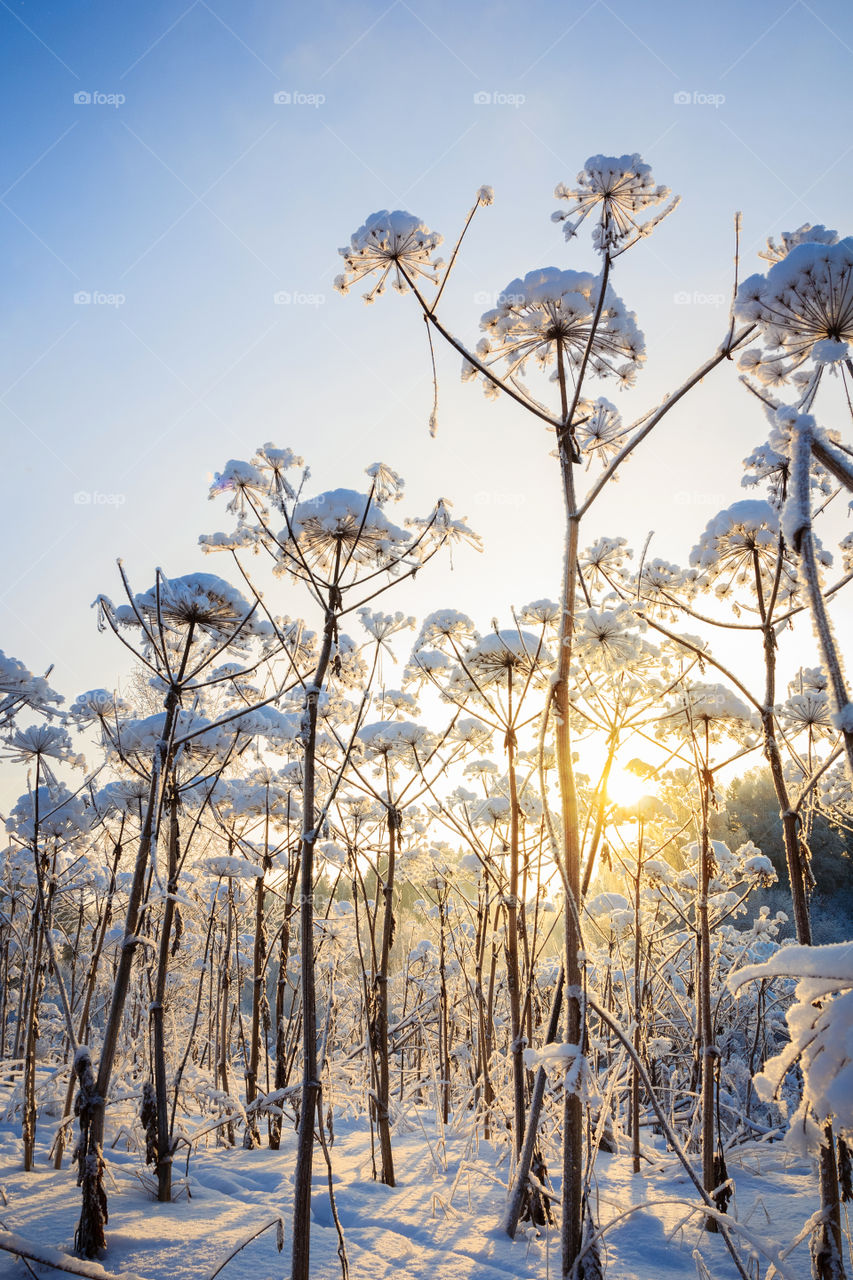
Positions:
{"x": 439, "y": 1223}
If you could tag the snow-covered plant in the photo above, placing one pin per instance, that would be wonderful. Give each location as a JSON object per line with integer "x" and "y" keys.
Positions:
{"x": 20, "y": 688}
{"x": 619, "y": 192}
{"x": 556, "y": 318}
{"x": 804, "y": 309}
{"x": 395, "y": 244}
{"x": 820, "y": 1024}
{"x": 341, "y": 546}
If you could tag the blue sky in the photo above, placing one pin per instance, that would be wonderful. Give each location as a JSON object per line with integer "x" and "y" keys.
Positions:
{"x": 148, "y": 165}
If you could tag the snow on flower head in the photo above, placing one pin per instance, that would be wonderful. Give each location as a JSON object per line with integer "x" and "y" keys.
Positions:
{"x": 446, "y": 624}
{"x": 242, "y": 479}
{"x": 710, "y": 709}
{"x": 232, "y": 868}
{"x": 140, "y": 738}
{"x": 502, "y": 650}
{"x": 803, "y": 307}
{"x": 252, "y": 483}
{"x": 618, "y": 189}
{"x": 738, "y": 542}
{"x": 276, "y": 462}
{"x": 384, "y": 625}
{"x": 342, "y": 525}
{"x": 480, "y": 768}
{"x": 208, "y": 604}
{"x": 599, "y": 430}
{"x": 808, "y": 711}
{"x": 20, "y": 688}
{"x": 122, "y": 796}
{"x": 397, "y": 702}
{"x": 97, "y": 704}
{"x": 607, "y": 637}
{"x": 386, "y": 483}
{"x": 397, "y": 244}
{"x": 550, "y": 309}
{"x": 493, "y": 657}
{"x": 788, "y": 240}
{"x": 446, "y": 528}
{"x": 42, "y": 743}
{"x": 61, "y": 814}
{"x": 611, "y": 912}
{"x": 660, "y": 581}
{"x": 472, "y": 732}
{"x": 545, "y": 612}
{"x": 604, "y": 559}
{"x": 394, "y": 739}
{"x": 742, "y": 529}
{"x": 809, "y": 680}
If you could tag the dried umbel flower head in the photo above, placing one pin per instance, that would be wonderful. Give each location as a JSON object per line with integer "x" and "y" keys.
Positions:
{"x": 396, "y": 244}
{"x": 804, "y": 309}
{"x": 208, "y": 604}
{"x": 338, "y": 527}
{"x": 710, "y": 710}
{"x": 20, "y": 688}
{"x": 599, "y": 430}
{"x": 550, "y": 309}
{"x": 618, "y": 189}
{"x": 496, "y": 656}
{"x": 788, "y": 240}
{"x": 739, "y": 543}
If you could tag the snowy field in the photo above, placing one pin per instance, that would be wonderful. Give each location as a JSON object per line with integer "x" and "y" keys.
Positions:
{"x": 439, "y": 1223}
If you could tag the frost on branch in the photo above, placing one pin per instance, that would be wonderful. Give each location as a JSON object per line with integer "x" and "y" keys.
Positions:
{"x": 820, "y": 1024}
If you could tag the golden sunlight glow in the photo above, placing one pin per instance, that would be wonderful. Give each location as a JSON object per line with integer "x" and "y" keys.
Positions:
{"x": 626, "y": 788}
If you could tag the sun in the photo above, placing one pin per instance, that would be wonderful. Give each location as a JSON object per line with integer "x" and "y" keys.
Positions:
{"x": 626, "y": 788}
